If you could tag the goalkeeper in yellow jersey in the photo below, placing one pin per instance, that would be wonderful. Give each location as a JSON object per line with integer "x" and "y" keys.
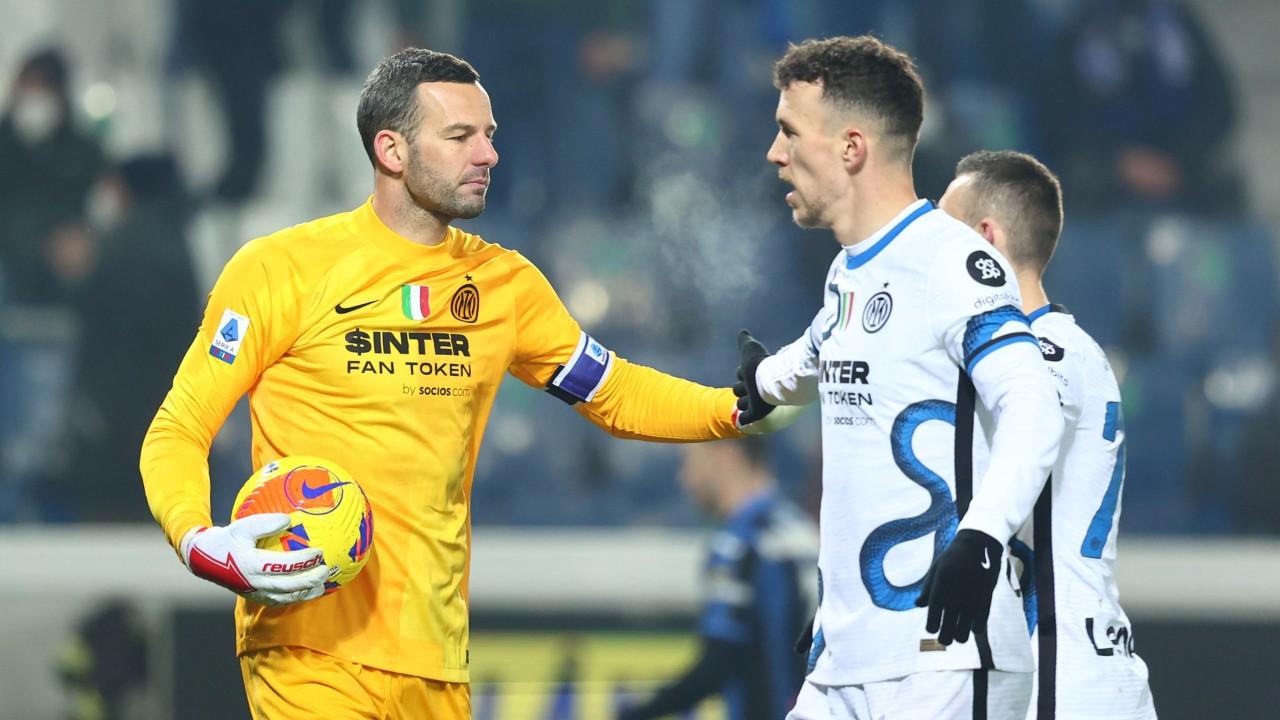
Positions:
{"x": 377, "y": 339}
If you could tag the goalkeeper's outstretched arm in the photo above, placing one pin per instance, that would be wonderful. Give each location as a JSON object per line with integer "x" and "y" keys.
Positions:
{"x": 626, "y": 400}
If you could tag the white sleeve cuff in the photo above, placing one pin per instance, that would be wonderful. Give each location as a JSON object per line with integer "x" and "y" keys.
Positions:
{"x": 790, "y": 376}
{"x": 986, "y": 521}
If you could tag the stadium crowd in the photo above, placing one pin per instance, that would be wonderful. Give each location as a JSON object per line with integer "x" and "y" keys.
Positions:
{"x": 632, "y": 172}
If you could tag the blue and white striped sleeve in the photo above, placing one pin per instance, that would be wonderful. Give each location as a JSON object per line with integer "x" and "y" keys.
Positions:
{"x": 976, "y": 314}
{"x": 975, "y": 307}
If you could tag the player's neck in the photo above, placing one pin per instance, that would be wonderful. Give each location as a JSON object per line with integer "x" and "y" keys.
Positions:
{"x": 1033, "y": 295}
{"x": 396, "y": 210}
{"x": 874, "y": 203}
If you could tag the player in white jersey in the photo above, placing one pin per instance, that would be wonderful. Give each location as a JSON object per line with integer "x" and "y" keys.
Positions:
{"x": 919, "y": 345}
{"x": 1086, "y": 665}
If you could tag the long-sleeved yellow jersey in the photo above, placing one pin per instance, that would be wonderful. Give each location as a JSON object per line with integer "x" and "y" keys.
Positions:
{"x": 384, "y": 356}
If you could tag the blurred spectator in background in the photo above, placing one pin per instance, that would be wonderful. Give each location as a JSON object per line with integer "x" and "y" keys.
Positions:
{"x": 48, "y": 167}
{"x": 1257, "y": 483}
{"x": 68, "y": 253}
{"x": 237, "y": 43}
{"x": 103, "y": 663}
{"x": 1137, "y": 109}
{"x": 334, "y": 23}
{"x": 708, "y": 91}
{"x": 557, "y": 69}
{"x": 136, "y": 308}
{"x": 761, "y": 581}
{"x": 979, "y": 92}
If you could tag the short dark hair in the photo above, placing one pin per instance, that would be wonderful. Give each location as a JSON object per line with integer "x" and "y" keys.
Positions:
{"x": 389, "y": 98}
{"x": 860, "y": 73}
{"x": 1025, "y": 195}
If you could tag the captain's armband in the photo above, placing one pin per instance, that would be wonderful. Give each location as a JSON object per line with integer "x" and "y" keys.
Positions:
{"x": 579, "y": 379}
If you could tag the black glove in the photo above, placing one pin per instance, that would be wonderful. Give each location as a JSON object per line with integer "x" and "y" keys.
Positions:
{"x": 959, "y": 585}
{"x": 751, "y": 407}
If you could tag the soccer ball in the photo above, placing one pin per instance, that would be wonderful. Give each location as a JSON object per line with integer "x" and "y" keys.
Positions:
{"x": 327, "y": 509}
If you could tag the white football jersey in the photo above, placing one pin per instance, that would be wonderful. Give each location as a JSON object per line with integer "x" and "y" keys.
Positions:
{"x": 1067, "y": 552}
{"x": 919, "y": 322}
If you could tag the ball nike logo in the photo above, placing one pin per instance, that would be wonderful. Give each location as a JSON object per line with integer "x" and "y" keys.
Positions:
{"x": 311, "y": 493}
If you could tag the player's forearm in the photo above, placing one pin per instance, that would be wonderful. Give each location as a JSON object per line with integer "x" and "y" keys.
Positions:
{"x": 1024, "y": 447}
{"x": 175, "y": 475}
{"x": 641, "y": 403}
{"x": 790, "y": 376}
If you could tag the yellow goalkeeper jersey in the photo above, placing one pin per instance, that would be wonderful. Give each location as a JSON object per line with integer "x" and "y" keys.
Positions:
{"x": 384, "y": 356}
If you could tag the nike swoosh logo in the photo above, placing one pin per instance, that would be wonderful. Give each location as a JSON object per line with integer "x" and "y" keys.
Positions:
{"x": 311, "y": 493}
{"x": 986, "y": 554}
{"x": 344, "y": 310}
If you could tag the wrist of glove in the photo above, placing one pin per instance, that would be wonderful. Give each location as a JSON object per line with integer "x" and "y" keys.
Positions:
{"x": 959, "y": 585}
{"x": 229, "y": 556}
{"x": 754, "y": 414}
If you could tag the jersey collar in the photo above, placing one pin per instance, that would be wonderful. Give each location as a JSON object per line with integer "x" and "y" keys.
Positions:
{"x": 856, "y": 258}
{"x": 372, "y": 229}
{"x": 1041, "y": 312}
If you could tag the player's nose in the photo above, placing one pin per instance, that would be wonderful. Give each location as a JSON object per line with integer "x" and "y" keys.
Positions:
{"x": 777, "y": 151}
{"x": 487, "y": 155}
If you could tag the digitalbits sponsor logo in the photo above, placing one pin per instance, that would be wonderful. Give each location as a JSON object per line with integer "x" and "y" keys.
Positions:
{"x": 984, "y": 268}
{"x": 1051, "y": 350}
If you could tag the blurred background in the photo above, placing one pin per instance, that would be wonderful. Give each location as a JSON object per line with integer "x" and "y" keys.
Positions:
{"x": 142, "y": 141}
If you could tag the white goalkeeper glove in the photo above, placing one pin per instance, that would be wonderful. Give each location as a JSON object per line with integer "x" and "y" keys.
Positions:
{"x": 229, "y": 556}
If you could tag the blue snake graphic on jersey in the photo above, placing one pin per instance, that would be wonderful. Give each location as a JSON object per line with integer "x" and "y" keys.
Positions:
{"x": 940, "y": 519}
{"x": 819, "y": 638}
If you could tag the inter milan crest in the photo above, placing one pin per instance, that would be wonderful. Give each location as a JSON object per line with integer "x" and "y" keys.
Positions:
{"x": 465, "y": 304}
{"x": 877, "y": 311}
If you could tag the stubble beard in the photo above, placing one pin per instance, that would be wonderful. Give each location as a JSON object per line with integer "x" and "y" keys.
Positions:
{"x": 807, "y": 216}
{"x": 437, "y": 195}
{"x": 811, "y": 211}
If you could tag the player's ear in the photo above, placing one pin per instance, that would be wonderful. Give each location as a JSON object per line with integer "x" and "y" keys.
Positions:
{"x": 391, "y": 149}
{"x": 854, "y": 148}
{"x": 988, "y": 229}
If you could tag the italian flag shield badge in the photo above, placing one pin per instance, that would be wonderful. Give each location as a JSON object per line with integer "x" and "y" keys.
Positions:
{"x": 415, "y": 301}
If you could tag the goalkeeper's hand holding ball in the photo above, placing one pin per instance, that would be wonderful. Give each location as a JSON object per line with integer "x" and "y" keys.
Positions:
{"x": 229, "y": 556}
